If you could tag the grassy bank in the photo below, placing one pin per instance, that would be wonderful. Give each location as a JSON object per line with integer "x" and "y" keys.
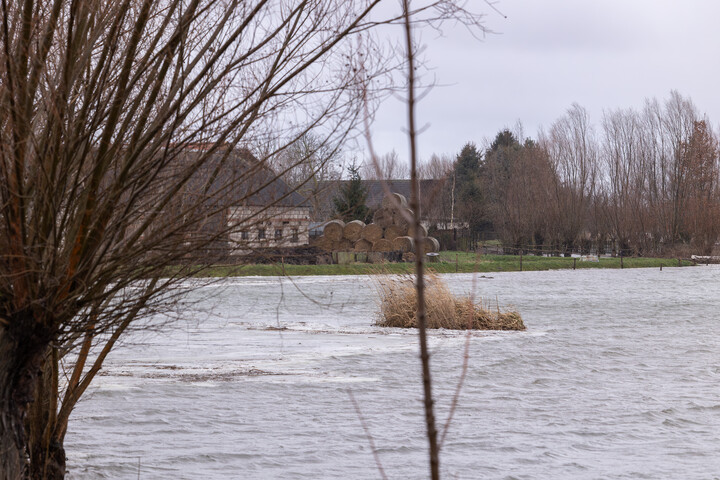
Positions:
{"x": 449, "y": 262}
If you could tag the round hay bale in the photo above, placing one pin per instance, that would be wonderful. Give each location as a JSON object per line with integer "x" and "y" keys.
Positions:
{"x": 352, "y": 230}
{"x": 403, "y": 244}
{"x": 392, "y": 232}
{"x": 401, "y": 219}
{"x": 423, "y": 231}
{"x": 377, "y": 214}
{"x": 343, "y": 245}
{"x": 430, "y": 245}
{"x": 394, "y": 200}
{"x": 363, "y": 245}
{"x": 402, "y": 230}
{"x": 371, "y": 232}
{"x": 382, "y": 245}
{"x": 334, "y": 230}
{"x": 383, "y": 217}
{"x": 324, "y": 243}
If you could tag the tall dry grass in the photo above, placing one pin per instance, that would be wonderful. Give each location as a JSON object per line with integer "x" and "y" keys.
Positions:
{"x": 398, "y": 307}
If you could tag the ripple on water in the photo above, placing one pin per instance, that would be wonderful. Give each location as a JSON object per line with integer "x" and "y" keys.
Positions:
{"x": 616, "y": 377}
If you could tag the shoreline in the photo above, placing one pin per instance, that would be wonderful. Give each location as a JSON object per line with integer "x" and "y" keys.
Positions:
{"x": 449, "y": 262}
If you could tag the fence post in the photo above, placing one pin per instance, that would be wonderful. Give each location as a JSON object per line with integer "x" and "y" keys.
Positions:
{"x": 456, "y": 263}
{"x": 521, "y": 260}
{"x": 679, "y": 262}
{"x": 574, "y": 262}
{"x": 282, "y": 261}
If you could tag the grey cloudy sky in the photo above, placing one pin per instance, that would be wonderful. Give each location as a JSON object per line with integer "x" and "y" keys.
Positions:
{"x": 547, "y": 54}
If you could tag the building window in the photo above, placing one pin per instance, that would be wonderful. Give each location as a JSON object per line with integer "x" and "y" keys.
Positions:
{"x": 278, "y": 233}
{"x": 295, "y": 237}
{"x": 261, "y": 233}
{"x": 244, "y": 235}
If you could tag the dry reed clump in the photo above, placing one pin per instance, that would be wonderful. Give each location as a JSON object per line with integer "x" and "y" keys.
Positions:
{"x": 398, "y": 307}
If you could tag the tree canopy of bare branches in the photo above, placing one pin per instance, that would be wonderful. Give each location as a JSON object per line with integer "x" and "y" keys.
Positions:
{"x": 122, "y": 123}
{"x": 644, "y": 182}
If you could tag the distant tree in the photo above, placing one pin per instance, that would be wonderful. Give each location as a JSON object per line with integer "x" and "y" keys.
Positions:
{"x": 573, "y": 150}
{"x": 469, "y": 200}
{"x": 495, "y": 179}
{"x": 436, "y": 180}
{"x": 499, "y": 158}
{"x": 521, "y": 209}
{"x": 386, "y": 167}
{"x": 350, "y": 202}
{"x": 311, "y": 165}
{"x": 700, "y": 155}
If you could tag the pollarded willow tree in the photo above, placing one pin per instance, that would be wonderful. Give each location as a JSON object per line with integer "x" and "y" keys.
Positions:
{"x": 121, "y": 125}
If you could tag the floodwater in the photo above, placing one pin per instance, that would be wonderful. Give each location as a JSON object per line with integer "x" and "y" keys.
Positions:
{"x": 617, "y": 376}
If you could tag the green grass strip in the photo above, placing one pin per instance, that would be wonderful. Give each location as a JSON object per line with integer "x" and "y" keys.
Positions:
{"x": 449, "y": 262}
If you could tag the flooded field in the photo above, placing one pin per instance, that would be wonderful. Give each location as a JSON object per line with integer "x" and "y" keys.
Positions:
{"x": 617, "y": 376}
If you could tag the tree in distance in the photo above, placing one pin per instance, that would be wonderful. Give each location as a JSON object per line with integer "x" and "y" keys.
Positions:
{"x": 350, "y": 201}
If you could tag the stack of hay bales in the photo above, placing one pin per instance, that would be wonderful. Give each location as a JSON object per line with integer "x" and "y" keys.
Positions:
{"x": 389, "y": 232}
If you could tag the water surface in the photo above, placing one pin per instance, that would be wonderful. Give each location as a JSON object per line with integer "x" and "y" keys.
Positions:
{"x": 617, "y": 376}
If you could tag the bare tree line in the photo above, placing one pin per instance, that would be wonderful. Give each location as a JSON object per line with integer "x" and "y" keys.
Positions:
{"x": 643, "y": 182}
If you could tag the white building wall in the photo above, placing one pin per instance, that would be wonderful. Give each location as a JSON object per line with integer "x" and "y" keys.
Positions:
{"x": 257, "y": 227}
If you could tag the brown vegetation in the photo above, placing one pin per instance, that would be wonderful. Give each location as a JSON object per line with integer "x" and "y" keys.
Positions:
{"x": 638, "y": 182}
{"x": 398, "y": 307}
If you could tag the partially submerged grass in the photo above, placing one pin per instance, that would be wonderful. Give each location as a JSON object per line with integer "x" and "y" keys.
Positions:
{"x": 398, "y": 307}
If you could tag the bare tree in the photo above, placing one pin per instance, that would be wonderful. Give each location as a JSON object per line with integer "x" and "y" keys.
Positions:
{"x": 702, "y": 210}
{"x": 433, "y": 448}
{"x": 386, "y": 167}
{"x": 436, "y": 181}
{"x": 625, "y": 176}
{"x": 573, "y": 150}
{"x": 433, "y": 15}
{"x": 310, "y": 165}
{"x": 121, "y": 123}
{"x": 437, "y": 167}
{"x": 679, "y": 123}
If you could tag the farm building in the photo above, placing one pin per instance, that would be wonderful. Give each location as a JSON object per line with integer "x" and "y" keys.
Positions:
{"x": 246, "y": 206}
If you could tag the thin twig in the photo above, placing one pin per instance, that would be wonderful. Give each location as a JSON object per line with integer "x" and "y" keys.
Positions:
{"x": 464, "y": 370}
{"x": 419, "y": 252}
{"x": 370, "y": 439}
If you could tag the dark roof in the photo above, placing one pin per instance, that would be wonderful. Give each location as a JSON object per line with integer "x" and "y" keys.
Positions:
{"x": 429, "y": 189}
{"x": 239, "y": 178}
{"x": 376, "y": 190}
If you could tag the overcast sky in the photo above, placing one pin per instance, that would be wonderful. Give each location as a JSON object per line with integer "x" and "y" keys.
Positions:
{"x": 547, "y": 54}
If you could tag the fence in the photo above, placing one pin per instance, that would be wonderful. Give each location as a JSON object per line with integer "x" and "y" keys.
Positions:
{"x": 461, "y": 239}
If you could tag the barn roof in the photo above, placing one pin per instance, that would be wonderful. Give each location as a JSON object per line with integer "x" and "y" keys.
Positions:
{"x": 239, "y": 178}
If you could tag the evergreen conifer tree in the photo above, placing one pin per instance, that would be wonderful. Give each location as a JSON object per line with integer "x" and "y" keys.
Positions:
{"x": 350, "y": 203}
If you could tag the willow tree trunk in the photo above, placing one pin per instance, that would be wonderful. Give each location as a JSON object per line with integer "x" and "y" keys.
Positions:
{"x": 45, "y": 436}
{"x": 12, "y": 453}
{"x": 12, "y": 461}
{"x": 21, "y": 360}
